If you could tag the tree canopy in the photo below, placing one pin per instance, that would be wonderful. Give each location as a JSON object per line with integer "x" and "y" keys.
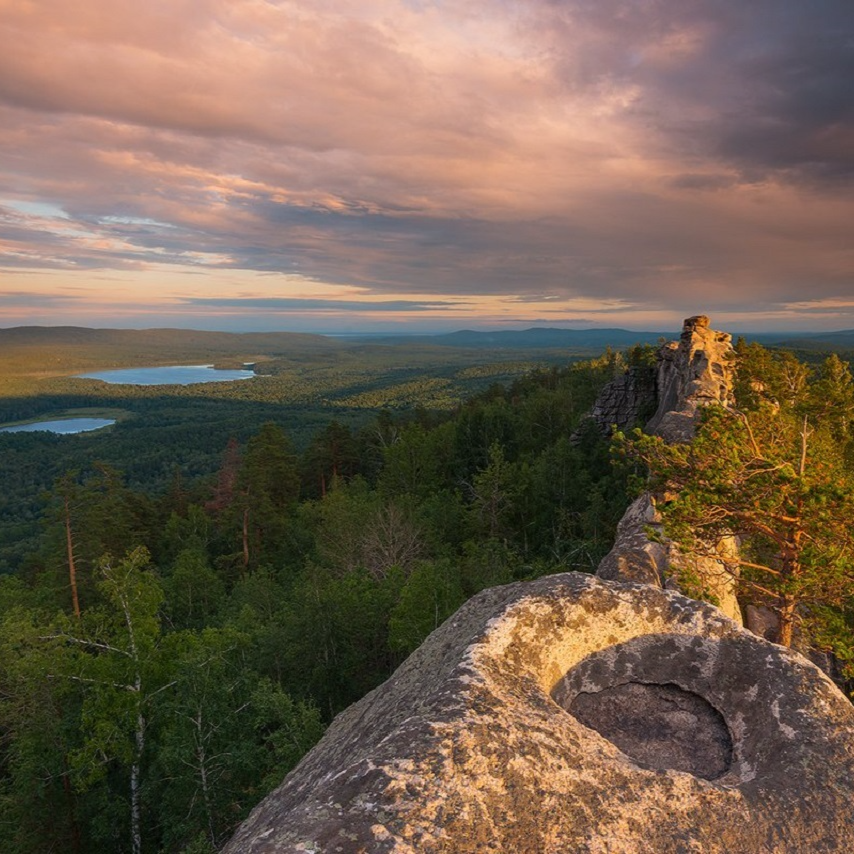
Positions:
{"x": 777, "y": 474}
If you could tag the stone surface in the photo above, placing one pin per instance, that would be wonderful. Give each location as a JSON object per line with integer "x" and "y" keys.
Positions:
{"x": 636, "y": 557}
{"x": 625, "y": 401}
{"x": 469, "y": 747}
{"x": 692, "y": 372}
{"x": 661, "y": 726}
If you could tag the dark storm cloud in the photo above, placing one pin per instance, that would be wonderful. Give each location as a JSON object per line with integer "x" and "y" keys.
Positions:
{"x": 775, "y": 75}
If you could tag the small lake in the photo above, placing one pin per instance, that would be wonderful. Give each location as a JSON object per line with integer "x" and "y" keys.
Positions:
{"x": 61, "y": 425}
{"x": 172, "y": 375}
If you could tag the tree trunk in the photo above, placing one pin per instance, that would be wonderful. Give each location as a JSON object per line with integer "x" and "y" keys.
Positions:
{"x": 135, "y": 808}
{"x": 201, "y": 758}
{"x": 246, "y": 538}
{"x": 72, "y": 568}
{"x": 787, "y": 622}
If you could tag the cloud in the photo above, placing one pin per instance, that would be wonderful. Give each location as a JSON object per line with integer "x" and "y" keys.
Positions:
{"x": 284, "y": 304}
{"x": 661, "y": 153}
{"x": 21, "y": 299}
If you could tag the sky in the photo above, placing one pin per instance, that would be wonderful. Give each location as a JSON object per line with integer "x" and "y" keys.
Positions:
{"x": 369, "y": 165}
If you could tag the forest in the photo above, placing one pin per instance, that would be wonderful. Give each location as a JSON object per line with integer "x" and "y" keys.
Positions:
{"x": 189, "y": 598}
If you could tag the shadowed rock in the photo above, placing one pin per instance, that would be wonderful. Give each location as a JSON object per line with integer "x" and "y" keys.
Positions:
{"x": 661, "y": 726}
{"x": 470, "y": 746}
{"x": 623, "y": 402}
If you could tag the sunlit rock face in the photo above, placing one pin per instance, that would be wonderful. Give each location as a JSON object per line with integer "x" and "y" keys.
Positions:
{"x": 571, "y": 714}
{"x": 693, "y": 372}
{"x": 637, "y": 557}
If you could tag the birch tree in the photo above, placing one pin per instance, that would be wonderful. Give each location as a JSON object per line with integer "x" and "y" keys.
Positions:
{"x": 113, "y": 654}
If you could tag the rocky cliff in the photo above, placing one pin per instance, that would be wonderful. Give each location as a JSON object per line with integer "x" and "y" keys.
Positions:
{"x": 624, "y": 401}
{"x": 693, "y": 372}
{"x": 572, "y": 714}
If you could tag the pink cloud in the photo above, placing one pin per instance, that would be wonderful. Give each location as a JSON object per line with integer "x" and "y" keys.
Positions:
{"x": 481, "y": 147}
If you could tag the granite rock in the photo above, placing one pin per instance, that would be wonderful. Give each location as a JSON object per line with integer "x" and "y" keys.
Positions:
{"x": 693, "y": 372}
{"x": 625, "y": 401}
{"x": 473, "y": 746}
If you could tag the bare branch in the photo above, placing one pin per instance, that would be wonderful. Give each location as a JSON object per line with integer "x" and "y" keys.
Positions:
{"x": 83, "y": 642}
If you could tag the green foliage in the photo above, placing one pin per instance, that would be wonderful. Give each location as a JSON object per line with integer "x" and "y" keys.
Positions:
{"x": 39, "y": 734}
{"x": 237, "y": 591}
{"x": 776, "y": 475}
{"x": 194, "y": 590}
{"x": 430, "y": 595}
{"x": 224, "y": 736}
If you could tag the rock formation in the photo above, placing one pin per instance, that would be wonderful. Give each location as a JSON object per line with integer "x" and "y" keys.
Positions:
{"x": 571, "y": 714}
{"x": 578, "y": 714}
{"x": 693, "y": 372}
{"x": 624, "y": 401}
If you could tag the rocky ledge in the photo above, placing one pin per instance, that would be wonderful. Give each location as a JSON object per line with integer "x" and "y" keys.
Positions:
{"x": 572, "y": 714}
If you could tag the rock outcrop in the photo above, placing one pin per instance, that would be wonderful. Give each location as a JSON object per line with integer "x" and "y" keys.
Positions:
{"x": 625, "y": 401}
{"x": 637, "y": 557}
{"x": 693, "y": 372}
{"x": 571, "y": 714}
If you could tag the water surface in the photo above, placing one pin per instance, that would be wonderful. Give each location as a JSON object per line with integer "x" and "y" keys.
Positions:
{"x": 61, "y": 425}
{"x": 172, "y": 375}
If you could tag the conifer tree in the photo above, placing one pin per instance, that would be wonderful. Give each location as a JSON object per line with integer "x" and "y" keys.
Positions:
{"x": 776, "y": 476}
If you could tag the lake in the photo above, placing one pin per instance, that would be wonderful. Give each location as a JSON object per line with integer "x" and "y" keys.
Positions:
{"x": 62, "y": 425}
{"x": 172, "y": 375}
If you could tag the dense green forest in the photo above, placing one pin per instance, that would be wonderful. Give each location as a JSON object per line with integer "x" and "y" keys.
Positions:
{"x": 302, "y": 383}
{"x": 191, "y": 596}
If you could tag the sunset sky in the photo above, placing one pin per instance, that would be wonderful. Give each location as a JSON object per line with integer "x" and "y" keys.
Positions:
{"x": 345, "y": 165}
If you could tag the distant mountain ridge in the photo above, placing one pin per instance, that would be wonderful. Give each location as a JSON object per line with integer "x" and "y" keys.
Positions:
{"x": 537, "y": 337}
{"x": 843, "y": 339}
{"x": 84, "y": 335}
{"x": 190, "y": 343}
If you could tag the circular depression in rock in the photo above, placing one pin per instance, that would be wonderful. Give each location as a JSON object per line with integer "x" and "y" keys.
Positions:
{"x": 660, "y": 726}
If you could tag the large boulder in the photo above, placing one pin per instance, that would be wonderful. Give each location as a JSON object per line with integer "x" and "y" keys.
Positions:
{"x": 570, "y": 714}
